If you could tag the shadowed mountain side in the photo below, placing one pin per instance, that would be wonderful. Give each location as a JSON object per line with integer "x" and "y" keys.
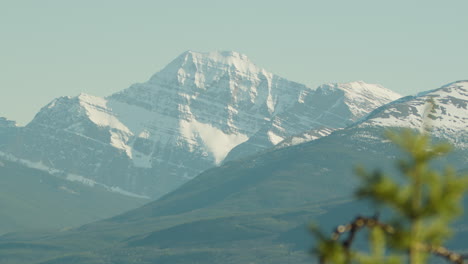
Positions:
{"x": 154, "y": 136}
{"x": 273, "y": 180}
{"x": 33, "y": 199}
{"x": 247, "y": 210}
{"x": 252, "y": 210}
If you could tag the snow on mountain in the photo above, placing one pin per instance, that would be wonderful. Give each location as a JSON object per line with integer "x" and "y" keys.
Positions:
{"x": 446, "y": 117}
{"x": 316, "y": 114}
{"x": 82, "y": 115}
{"x": 153, "y": 136}
{"x": 360, "y": 97}
{"x": 206, "y": 103}
{"x": 306, "y": 137}
{"x": 70, "y": 177}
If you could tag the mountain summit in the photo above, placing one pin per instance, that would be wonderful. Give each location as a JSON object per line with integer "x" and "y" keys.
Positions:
{"x": 443, "y": 111}
{"x": 153, "y": 136}
{"x": 201, "y": 69}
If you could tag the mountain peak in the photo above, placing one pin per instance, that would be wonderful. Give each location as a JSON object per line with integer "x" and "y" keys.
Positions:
{"x": 361, "y": 97}
{"x": 360, "y": 87}
{"x": 84, "y": 98}
{"x": 225, "y": 56}
{"x": 207, "y": 66}
{"x": 226, "y": 75}
{"x": 447, "y": 119}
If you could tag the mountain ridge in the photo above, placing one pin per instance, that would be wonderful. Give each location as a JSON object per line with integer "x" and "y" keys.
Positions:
{"x": 251, "y": 209}
{"x": 442, "y": 111}
{"x": 341, "y": 104}
{"x": 152, "y": 137}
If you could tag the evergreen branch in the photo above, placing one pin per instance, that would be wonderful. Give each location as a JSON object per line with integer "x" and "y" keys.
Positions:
{"x": 443, "y": 252}
{"x": 358, "y": 223}
{"x": 370, "y": 222}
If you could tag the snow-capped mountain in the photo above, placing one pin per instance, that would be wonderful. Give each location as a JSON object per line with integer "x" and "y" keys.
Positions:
{"x": 281, "y": 189}
{"x": 443, "y": 112}
{"x": 204, "y": 103}
{"x": 316, "y": 114}
{"x": 154, "y": 136}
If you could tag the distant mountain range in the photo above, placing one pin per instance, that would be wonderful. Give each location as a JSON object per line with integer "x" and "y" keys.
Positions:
{"x": 199, "y": 111}
{"x": 256, "y": 208}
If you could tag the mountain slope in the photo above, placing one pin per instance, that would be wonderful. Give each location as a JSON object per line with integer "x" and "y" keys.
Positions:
{"x": 249, "y": 210}
{"x": 154, "y": 136}
{"x": 315, "y": 114}
{"x": 446, "y": 116}
{"x": 32, "y": 199}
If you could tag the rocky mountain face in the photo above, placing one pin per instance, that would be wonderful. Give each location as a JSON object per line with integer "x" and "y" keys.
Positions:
{"x": 315, "y": 114}
{"x": 154, "y": 136}
{"x": 443, "y": 112}
{"x": 243, "y": 210}
{"x": 293, "y": 174}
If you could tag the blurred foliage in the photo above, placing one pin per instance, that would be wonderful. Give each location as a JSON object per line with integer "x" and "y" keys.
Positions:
{"x": 422, "y": 205}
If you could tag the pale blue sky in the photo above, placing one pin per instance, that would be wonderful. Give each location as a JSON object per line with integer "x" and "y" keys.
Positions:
{"x": 52, "y": 48}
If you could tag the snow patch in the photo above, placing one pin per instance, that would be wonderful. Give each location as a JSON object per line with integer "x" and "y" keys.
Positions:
{"x": 98, "y": 113}
{"x": 126, "y": 193}
{"x": 218, "y": 142}
{"x": 275, "y": 139}
{"x": 144, "y": 134}
{"x": 30, "y": 164}
{"x": 69, "y": 176}
{"x": 78, "y": 178}
{"x": 119, "y": 140}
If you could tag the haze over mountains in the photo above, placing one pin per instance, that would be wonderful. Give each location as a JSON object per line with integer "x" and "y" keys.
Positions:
{"x": 255, "y": 209}
{"x": 270, "y": 154}
{"x": 200, "y": 110}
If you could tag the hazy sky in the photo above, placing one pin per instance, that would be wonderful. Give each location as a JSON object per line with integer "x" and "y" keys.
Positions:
{"x": 62, "y": 47}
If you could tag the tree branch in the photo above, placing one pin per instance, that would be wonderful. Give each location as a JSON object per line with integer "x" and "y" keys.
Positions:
{"x": 368, "y": 222}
